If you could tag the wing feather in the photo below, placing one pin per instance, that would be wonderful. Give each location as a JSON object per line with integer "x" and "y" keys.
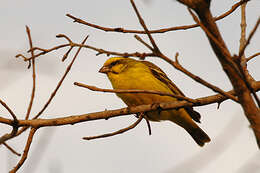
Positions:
{"x": 160, "y": 75}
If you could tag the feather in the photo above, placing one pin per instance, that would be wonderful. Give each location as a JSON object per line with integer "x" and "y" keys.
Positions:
{"x": 160, "y": 75}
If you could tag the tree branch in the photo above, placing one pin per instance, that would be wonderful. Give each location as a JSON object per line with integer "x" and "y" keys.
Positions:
{"x": 93, "y": 88}
{"x": 11, "y": 135}
{"x": 70, "y": 120}
{"x": 242, "y": 62}
{"x": 252, "y": 112}
{"x": 33, "y": 74}
{"x": 72, "y": 45}
{"x": 176, "y": 64}
{"x": 11, "y": 149}
{"x": 253, "y": 56}
{"x": 176, "y": 28}
{"x": 242, "y": 49}
{"x": 26, "y": 150}
{"x": 116, "y": 132}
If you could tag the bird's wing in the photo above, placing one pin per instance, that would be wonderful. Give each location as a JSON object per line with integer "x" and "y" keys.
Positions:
{"x": 160, "y": 75}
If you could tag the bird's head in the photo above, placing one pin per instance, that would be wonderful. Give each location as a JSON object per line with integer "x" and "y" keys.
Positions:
{"x": 116, "y": 65}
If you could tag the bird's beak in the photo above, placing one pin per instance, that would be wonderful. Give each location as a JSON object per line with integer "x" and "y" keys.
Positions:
{"x": 104, "y": 69}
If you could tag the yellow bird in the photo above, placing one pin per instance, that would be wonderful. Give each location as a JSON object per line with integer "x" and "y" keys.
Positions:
{"x": 127, "y": 73}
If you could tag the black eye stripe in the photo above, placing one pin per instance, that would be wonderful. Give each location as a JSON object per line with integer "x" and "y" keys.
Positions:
{"x": 114, "y": 63}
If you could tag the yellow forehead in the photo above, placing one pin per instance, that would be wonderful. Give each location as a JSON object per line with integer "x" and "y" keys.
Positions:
{"x": 111, "y": 60}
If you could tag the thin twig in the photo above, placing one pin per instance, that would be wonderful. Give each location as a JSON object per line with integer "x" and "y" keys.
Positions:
{"x": 43, "y": 51}
{"x": 60, "y": 82}
{"x": 116, "y": 132}
{"x": 33, "y": 74}
{"x": 26, "y": 150}
{"x": 14, "y": 123}
{"x": 93, "y": 88}
{"x": 253, "y": 56}
{"x": 11, "y": 149}
{"x": 143, "y": 42}
{"x": 195, "y": 18}
{"x": 179, "y": 67}
{"x": 122, "y": 30}
{"x": 66, "y": 54}
{"x": 243, "y": 27}
{"x": 13, "y": 133}
{"x": 242, "y": 50}
{"x": 72, "y": 44}
{"x": 64, "y": 36}
{"x": 242, "y": 62}
{"x": 156, "y": 49}
{"x": 54, "y": 92}
{"x": 227, "y": 57}
{"x": 8, "y": 109}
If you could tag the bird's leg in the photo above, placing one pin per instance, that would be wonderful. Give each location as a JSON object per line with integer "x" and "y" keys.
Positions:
{"x": 158, "y": 107}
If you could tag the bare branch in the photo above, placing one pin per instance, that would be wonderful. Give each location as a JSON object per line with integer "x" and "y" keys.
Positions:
{"x": 143, "y": 42}
{"x": 33, "y": 74}
{"x": 7, "y": 136}
{"x": 13, "y": 123}
{"x": 43, "y": 51}
{"x": 253, "y": 56}
{"x": 66, "y": 54}
{"x": 11, "y": 149}
{"x": 242, "y": 62}
{"x": 156, "y": 49}
{"x": 176, "y": 64}
{"x": 70, "y": 120}
{"x": 116, "y": 132}
{"x": 216, "y": 41}
{"x": 241, "y": 52}
{"x": 66, "y": 37}
{"x": 26, "y": 150}
{"x": 60, "y": 82}
{"x": 93, "y": 88}
{"x": 72, "y": 45}
{"x": 179, "y": 67}
{"x": 243, "y": 92}
{"x": 176, "y": 28}
{"x": 8, "y": 109}
{"x": 13, "y": 133}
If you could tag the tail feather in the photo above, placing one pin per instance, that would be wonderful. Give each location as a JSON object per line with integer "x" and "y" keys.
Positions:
{"x": 193, "y": 114}
{"x": 199, "y": 136}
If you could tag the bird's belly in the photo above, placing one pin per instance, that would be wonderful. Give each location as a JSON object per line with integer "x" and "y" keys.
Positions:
{"x": 136, "y": 99}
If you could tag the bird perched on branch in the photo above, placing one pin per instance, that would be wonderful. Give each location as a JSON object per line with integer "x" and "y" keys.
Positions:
{"x": 127, "y": 73}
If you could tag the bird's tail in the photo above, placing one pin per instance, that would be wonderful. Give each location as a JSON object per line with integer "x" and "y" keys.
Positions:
{"x": 199, "y": 136}
{"x": 183, "y": 119}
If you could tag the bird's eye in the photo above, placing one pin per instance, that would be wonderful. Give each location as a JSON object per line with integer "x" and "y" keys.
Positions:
{"x": 114, "y": 63}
